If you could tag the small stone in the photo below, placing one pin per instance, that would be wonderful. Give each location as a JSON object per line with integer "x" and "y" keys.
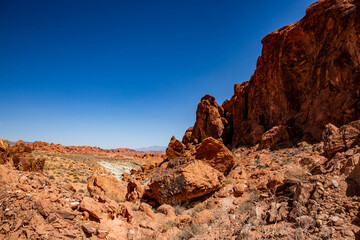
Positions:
{"x": 88, "y": 228}
{"x": 334, "y": 183}
{"x": 74, "y": 205}
{"x": 349, "y": 233}
{"x": 336, "y": 221}
{"x": 103, "y": 230}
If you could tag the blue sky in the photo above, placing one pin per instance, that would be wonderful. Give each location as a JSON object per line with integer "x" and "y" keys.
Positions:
{"x": 125, "y": 73}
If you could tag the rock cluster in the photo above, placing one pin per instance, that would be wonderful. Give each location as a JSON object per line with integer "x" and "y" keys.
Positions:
{"x": 20, "y": 157}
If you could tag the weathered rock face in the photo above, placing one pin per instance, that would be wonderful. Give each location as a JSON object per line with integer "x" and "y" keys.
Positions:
{"x": 341, "y": 139}
{"x": 187, "y": 138}
{"x": 307, "y": 76}
{"x": 276, "y": 137}
{"x": 213, "y": 152}
{"x": 108, "y": 186}
{"x": 356, "y": 174}
{"x": 175, "y": 148}
{"x": 184, "y": 182}
{"x": 209, "y": 122}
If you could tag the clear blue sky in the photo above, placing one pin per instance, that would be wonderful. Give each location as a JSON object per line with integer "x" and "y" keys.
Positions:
{"x": 125, "y": 73}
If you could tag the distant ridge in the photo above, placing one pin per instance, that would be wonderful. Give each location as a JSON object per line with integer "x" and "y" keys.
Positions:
{"x": 12, "y": 143}
{"x": 151, "y": 148}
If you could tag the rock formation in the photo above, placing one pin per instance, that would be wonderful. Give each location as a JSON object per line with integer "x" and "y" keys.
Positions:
{"x": 341, "y": 139}
{"x": 307, "y": 76}
{"x": 175, "y": 148}
{"x": 108, "y": 186}
{"x": 209, "y": 121}
{"x": 213, "y": 152}
{"x": 20, "y": 157}
{"x": 183, "y": 182}
{"x": 276, "y": 137}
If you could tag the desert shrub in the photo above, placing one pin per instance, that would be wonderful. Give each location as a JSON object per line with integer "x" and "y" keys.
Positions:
{"x": 179, "y": 209}
{"x": 245, "y": 207}
{"x": 254, "y": 195}
{"x": 189, "y": 232}
{"x": 296, "y": 173}
{"x": 199, "y": 207}
{"x": 135, "y": 206}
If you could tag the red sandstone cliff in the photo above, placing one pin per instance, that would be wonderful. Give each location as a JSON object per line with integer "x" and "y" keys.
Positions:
{"x": 307, "y": 76}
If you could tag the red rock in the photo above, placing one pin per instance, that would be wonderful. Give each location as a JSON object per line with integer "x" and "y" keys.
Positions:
{"x": 306, "y": 77}
{"x": 134, "y": 190}
{"x": 187, "y": 138}
{"x": 185, "y": 182}
{"x": 147, "y": 209}
{"x": 175, "y": 148}
{"x": 356, "y": 174}
{"x": 208, "y": 119}
{"x": 92, "y": 207}
{"x": 239, "y": 189}
{"x": 126, "y": 211}
{"x": 88, "y": 228}
{"x": 215, "y": 153}
{"x": 203, "y": 217}
{"x": 67, "y": 214}
{"x": 341, "y": 139}
{"x": 44, "y": 207}
{"x": 276, "y": 137}
{"x": 178, "y": 161}
{"x": 167, "y": 210}
{"x": 303, "y": 192}
{"x": 103, "y": 230}
{"x": 108, "y": 186}
{"x": 4, "y": 145}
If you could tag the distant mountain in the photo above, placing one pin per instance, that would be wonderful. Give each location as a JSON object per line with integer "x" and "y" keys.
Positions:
{"x": 12, "y": 143}
{"x": 152, "y": 148}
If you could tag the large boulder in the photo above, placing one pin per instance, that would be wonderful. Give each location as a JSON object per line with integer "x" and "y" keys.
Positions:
{"x": 108, "y": 186}
{"x": 341, "y": 139}
{"x": 209, "y": 121}
{"x": 215, "y": 153}
{"x": 193, "y": 179}
{"x": 276, "y": 137}
{"x": 92, "y": 207}
{"x": 175, "y": 148}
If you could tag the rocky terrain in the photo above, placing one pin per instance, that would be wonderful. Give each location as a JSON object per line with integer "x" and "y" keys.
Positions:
{"x": 116, "y": 153}
{"x": 279, "y": 160}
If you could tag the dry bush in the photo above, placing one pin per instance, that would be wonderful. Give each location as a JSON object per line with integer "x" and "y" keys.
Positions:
{"x": 190, "y": 231}
{"x": 199, "y": 207}
{"x": 295, "y": 173}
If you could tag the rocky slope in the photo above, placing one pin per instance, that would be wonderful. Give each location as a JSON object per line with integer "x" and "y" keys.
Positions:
{"x": 279, "y": 186}
{"x": 307, "y": 76}
{"x": 291, "y": 193}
